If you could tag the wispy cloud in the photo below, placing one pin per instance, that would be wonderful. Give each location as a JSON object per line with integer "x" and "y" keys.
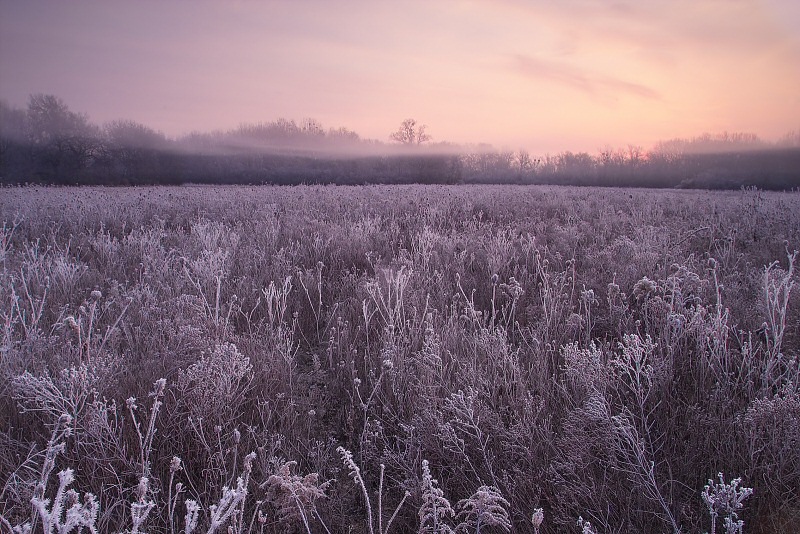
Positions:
{"x": 595, "y": 84}
{"x": 657, "y": 69}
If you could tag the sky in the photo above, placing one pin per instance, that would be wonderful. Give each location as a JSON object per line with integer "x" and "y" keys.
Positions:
{"x": 543, "y": 75}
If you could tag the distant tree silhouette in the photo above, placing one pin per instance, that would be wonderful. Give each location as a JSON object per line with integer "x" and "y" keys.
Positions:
{"x": 46, "y": 142}
{"x": 409, "y": 133}
{"x": 12, "y": 138}
{"x": 64, "y": 142}
{"x": 133, "y": 150}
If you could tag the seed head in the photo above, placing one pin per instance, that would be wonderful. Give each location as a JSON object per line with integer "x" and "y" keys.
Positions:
{"x": 141, "y": 489}
{"x": 159, "y": 386}
{"x": 537, "y": 518}
{"x": 71, "y": 323}
{"x": 175, "y": 464}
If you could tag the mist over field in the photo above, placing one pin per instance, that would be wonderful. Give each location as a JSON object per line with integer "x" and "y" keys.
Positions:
{"x": 48, "y": 143}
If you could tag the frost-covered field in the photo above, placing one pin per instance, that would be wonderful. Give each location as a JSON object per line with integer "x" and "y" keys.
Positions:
{"x": 398, "y": 359}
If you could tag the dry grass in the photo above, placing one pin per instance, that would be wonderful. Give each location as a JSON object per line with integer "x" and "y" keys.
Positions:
{"x": 593, "y": 353}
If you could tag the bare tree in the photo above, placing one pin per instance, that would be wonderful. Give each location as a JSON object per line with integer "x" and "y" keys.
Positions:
{"x": 312, "y": 128}
{"x": 66, "y": 140}
{"x": 12, "y": 127}
{"x": 132, "y": 146}
{"x": 409, "y": 133}
{"x": 343, "y": 136}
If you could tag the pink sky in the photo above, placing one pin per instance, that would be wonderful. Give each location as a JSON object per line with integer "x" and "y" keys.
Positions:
{"x": 540, "y": 74}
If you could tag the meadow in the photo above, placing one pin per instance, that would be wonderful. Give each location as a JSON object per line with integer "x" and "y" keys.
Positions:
{"x": 381, "y": 359}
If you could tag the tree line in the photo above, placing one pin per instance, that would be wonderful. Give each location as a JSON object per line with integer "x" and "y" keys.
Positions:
{"x": 48, "y": 143}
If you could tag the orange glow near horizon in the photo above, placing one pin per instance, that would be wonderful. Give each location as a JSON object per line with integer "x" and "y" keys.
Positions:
{"x": 546, "y": 76}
